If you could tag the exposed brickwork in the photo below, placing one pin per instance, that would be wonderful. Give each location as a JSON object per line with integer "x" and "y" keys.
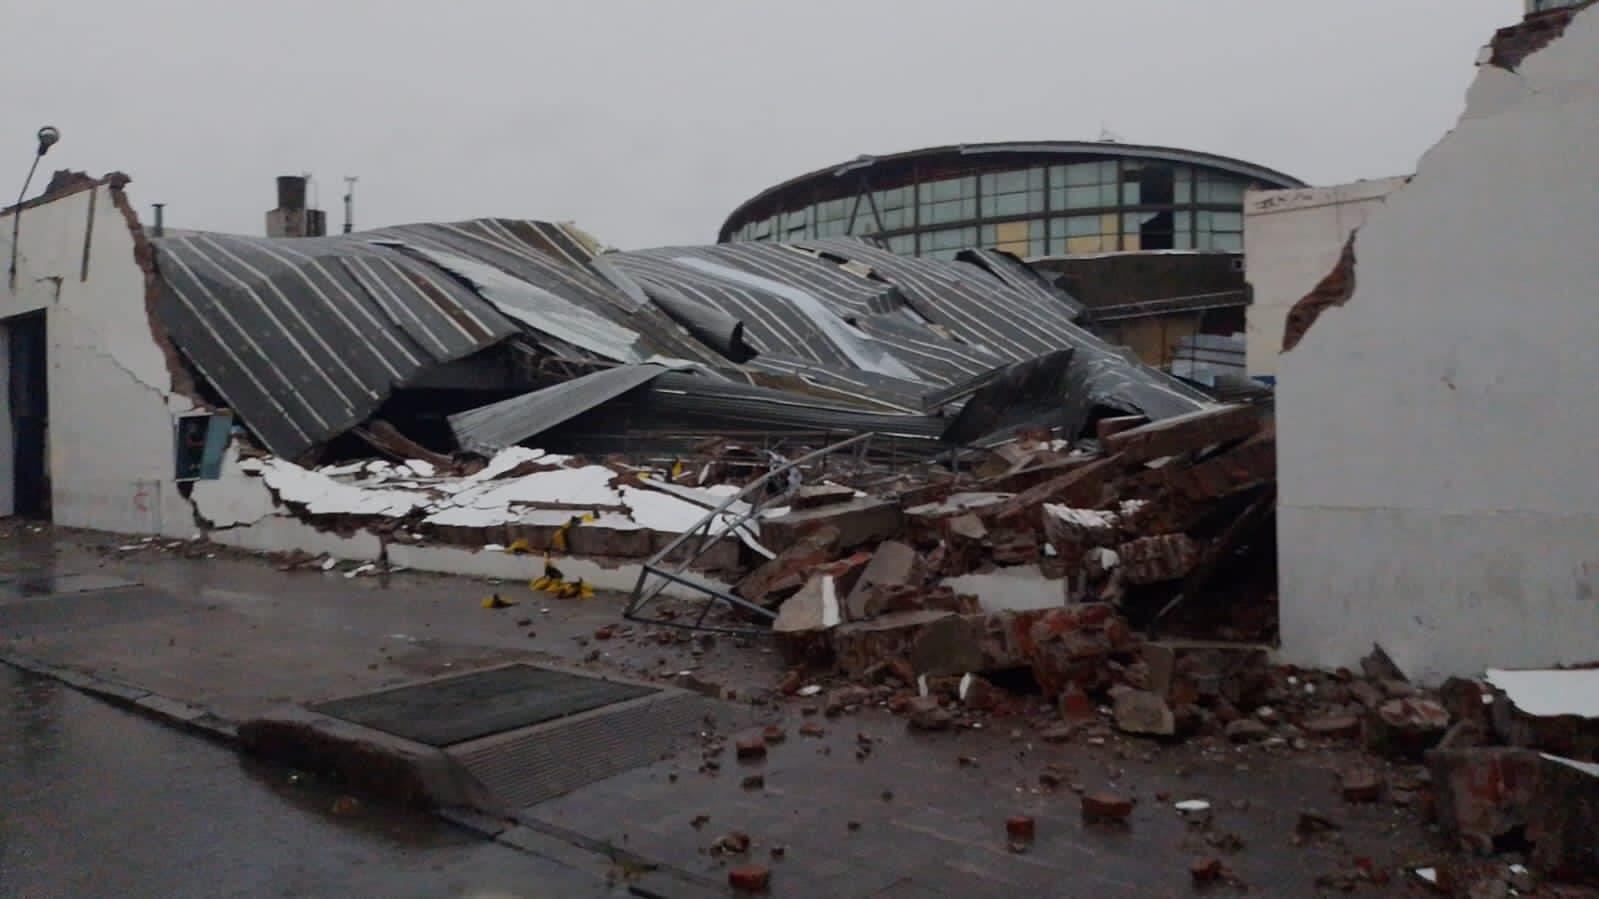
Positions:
{"x": 1334, "y": 290}
{"x": 1512, "y": 45}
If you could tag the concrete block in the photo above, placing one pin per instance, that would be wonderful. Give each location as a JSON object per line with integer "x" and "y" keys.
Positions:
{"x": 858, "y": 522}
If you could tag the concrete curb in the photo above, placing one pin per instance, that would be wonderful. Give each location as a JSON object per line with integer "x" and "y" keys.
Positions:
{"x": 369, "y": 761}
{"x": 163, "y": 710}
{"x": 388, "y": 767}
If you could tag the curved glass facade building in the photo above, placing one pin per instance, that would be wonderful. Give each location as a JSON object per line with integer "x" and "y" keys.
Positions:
{"x": 1030, "y": 199}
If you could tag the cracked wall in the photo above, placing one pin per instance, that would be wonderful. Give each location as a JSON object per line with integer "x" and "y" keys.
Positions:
{"x": 111, "y": 399}
{"x": 1435, "y": 432}
{"x": 1292, "y": 239}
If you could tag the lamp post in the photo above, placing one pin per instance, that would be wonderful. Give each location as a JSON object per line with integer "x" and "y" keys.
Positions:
{"x": 47, "y": 136}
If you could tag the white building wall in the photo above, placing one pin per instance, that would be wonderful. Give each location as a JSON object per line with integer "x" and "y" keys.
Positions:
{"x": 1292, "y": 238}
{"x": 111, "y": 408}
{"x": 1437, "y": 432}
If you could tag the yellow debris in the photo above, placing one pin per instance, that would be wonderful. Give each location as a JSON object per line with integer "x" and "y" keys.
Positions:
{"x": 519, "y": 548}
{"x": 496, "y": 602}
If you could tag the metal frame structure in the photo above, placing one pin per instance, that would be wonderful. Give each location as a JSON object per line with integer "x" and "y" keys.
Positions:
{"x": 661, "y": 566}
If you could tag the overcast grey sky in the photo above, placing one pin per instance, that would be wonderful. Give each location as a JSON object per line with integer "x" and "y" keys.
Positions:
{"x": 647, "y": 121}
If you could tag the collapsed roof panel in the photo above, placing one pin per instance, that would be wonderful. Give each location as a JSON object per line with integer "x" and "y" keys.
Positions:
{"x": 489, "y": 429}
{"x": 306, "y": 338}
{"x": 555, "y": 260}
{"x": 663, "y": 399}
{"x": 979, "y": 309}
{"x": 1020, "y": 277}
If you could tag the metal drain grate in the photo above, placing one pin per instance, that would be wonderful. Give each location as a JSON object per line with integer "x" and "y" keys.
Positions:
{"x": 529, "y": 766}
{"x": 453, "y": 710}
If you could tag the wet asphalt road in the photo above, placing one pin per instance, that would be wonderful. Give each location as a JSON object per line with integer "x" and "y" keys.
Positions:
{"x": 96, "y": 801}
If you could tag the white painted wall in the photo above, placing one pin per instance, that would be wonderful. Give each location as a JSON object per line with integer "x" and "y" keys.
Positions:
{"x": 1437, "y": 433}
{"x": 1292, "y": 239}
{"x": 111, "y": 410}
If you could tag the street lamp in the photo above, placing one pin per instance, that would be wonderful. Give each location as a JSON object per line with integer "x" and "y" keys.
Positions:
{"x": 47, "y": 136}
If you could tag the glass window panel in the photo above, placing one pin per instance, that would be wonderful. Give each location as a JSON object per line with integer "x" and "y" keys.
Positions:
{"x": 1010, "y": 182}
{"x": 1227, "y": 240}
{"x": 1037, "y": 245}
{"x": 1227, "y": 221}
{"x": 952, "y": 211}
{"x": 829, "y": 229}
{"x": 1107, "y": 171}
{"x": 1184, "y": 185}
{"x": 1083, "y": 197}
{"x": 1182, "y": 240}
{"x": 1079, "y": 225}
{"x": 1227, "y": 192}
{"x": 1082, "y": 173}
{"x": 1131, "y": 193}
{"x": 1012, "y": 237}
{"x": 949, "y": 189}
{"x": 990, "y": 235}
{"x": 905, "y": 244}
{"x": 1006, "y": 204}
{"x": 832, "y": 210}
{"x": 1202, "y": 218}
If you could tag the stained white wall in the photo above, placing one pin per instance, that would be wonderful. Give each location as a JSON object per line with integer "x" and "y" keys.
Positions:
{"x": 111, "y": 410}
{"x": 1437, "y": 433}
{"x": 1292, "y": 239}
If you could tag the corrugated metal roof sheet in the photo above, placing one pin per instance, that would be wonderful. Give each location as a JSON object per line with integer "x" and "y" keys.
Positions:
{"x": 306, "y": 338}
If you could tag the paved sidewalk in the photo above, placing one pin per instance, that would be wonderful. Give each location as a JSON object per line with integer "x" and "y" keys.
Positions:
{"x": 228, "y": 639}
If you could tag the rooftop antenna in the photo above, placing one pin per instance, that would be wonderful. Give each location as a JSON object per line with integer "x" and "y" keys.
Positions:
{"x": 1108, "y": 136}
{"x": 349, "y": 203}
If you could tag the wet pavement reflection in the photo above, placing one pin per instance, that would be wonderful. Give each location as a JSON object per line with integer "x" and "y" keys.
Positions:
{"x": 96, "y": 801}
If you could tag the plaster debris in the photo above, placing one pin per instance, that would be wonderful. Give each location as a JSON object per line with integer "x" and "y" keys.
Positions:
{"x": 1550, "y": 692}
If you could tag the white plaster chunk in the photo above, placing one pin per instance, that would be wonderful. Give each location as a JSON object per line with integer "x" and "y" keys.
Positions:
{"x": 322, "y": 495}
{"x": 1545, "y": 693}
{"x": 1018, "y": 588}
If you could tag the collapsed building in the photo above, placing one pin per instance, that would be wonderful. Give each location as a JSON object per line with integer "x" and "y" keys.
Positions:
{"x": 374, "y": 397}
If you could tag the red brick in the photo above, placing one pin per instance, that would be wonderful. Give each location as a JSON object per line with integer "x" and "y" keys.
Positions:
{"x": 1206, "y": 870}
{"x": 1184, "y": 433}
{"x": 751, "y": 747}
{"x": 750, "y": 878}
{"x": 1075, "y": 705}
{"x": 1152, "y": 560}
{"x": 1336, "y": 727}
{"x": 1106, "y": 807}
{"x": 1020, "y": 827}
{"x": 1361, "y": 785}
{"x": 1082, "y": 488}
